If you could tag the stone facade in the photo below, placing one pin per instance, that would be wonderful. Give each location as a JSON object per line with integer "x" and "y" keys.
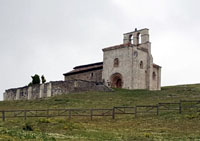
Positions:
{"x": 90, "y": 72}
{"x": 135, "y": 68}
{"x": 52, "y": 89}
{"x": 129, "y": 65}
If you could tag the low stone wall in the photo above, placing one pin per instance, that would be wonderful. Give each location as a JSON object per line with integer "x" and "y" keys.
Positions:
{"x": 53, "y": 88}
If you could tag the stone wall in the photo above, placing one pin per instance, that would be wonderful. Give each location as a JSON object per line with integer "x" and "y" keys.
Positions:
{"x": 124, "y": 67}
{"x": 94, "y": 75}
{"x": 135, "y": 65}
{"x": 133, "y": 75}
{"x": 53, "y": 88}
{"x": 156, "y": 78}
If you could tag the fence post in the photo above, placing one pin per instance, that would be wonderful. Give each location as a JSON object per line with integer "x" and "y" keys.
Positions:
{"x": 24, "y": 114}
{"x": 3, "y": 115}
{"x": 69, "y": 114}
{"x": 113, "y": 113}
{"x": 91, "y": 113}
{"x": 180, "y": 108}
{"x": 47, "y": 113}
{"x": 157, "y": 109}
{"x": 135, "y": 111}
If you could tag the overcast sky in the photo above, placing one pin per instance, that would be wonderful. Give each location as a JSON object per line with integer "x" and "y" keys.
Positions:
{"x": 50, "y": 37}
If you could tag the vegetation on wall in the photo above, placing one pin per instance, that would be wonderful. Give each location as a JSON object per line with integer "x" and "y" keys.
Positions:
{"x": 43, "y": 79}
{"x": 36, "y": 80}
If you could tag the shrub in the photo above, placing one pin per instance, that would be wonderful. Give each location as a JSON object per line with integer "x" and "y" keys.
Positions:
{"x": 35, "y": 79}
{"x": 43, "y": 79}
{"x": 27, "y": 127}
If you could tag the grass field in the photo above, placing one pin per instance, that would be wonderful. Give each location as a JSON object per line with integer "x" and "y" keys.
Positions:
{"x": 169, "y": 126}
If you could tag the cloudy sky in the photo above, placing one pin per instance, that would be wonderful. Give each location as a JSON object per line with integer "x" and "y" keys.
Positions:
{"x": 50, "y": 37}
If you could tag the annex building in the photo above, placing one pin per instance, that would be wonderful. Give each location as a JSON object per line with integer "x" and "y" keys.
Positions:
{"x": 128, "y": 65}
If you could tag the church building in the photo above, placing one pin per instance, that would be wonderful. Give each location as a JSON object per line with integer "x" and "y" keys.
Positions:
{"x": 128, "y": 65}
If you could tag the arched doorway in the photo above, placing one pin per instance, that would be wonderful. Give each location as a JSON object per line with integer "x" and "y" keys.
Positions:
{"x": 116, "y": 80}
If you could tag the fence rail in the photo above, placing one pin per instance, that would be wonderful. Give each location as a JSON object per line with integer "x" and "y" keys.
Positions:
{"x": 179, "y": 107}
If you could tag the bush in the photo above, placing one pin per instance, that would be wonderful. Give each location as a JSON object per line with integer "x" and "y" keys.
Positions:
{"x": 35, "y": 79}
{"x": 43, "y": 79}
{"x": 27, "y": 127}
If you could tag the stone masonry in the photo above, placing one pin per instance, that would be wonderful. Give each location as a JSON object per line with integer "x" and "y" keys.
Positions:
{"x": 90, "y": 72}
{"x": 52, "y": 89}
{"x": 130, "y": 65}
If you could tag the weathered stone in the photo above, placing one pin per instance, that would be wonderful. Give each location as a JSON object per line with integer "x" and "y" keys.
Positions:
{"x": 29, "y": 92}
{"x": 135, "y": 69}
{"x": 49, "y": 90}
{"x": 89, "y": 72}
{"x": 129, "y": 65}
{"x": 52, "y": 89}
{"x": 18, "y": 94}
{"x": 41, "y": 91}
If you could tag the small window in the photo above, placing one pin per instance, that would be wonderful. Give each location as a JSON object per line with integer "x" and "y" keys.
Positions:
{"x": 91, "y": 75}
{"x": 116, "y": 62}
{"x": 141, "y": 64}
{"x": 154, "y": 76}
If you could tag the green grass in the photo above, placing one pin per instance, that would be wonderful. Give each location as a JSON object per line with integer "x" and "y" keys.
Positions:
{"x": 167, "y": 126}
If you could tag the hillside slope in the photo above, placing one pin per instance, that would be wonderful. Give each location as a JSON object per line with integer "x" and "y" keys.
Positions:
{"x": 166, "y": 126}
{"x": 120, "y": 97}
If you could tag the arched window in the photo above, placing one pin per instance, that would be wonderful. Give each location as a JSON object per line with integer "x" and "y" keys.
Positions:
{"x": 131, "y": 39}
{"x": 91, "y": 75}
{"x": 116, "y": 62}
{"x": 154, "y": 76}
{"x": 141, "y": 64}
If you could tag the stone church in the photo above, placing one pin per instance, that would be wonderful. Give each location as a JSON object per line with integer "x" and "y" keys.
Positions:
{"x": 128, "y": 65}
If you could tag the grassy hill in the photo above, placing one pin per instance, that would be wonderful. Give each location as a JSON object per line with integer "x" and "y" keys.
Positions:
{"x": 166, "y": 126}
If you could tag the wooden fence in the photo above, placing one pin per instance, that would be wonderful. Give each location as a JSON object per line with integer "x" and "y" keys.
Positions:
{"x": 181, "y": 107}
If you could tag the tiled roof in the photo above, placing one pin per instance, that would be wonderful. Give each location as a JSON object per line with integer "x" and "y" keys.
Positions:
{"x": 85, "y": 68}
{"x": 88, "y": 65}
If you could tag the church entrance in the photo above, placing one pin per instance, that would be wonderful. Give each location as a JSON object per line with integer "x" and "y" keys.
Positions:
{"x": 116, "y": 80}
